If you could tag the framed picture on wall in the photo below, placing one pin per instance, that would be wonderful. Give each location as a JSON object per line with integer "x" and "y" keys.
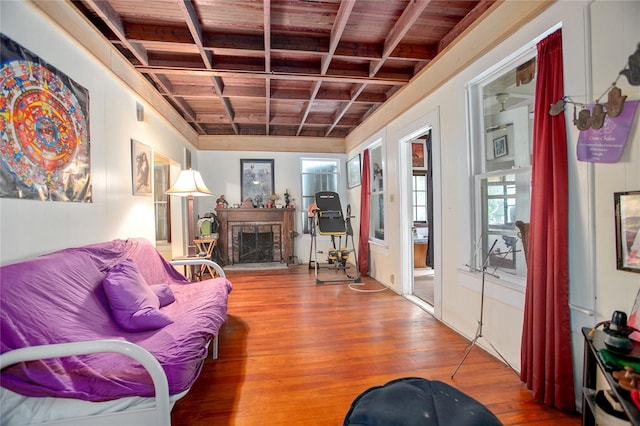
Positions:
{"x": 353, "y": 172}
{"x": 500, "y": 146}
{"x": 140, "y": 168}
{"x": 417, "y": 155}
{"x": 257, "y": 180}
{"x": 627, "y": 212}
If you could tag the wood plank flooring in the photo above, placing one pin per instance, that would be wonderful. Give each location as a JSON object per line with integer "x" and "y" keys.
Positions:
{"x": 296, "y": 353}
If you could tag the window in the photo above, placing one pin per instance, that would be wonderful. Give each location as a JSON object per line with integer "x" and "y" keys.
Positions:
{"x": 376, "y": 215}
{"x": 317, "y": 175}
{"x": 501, "y": 122}
{"x": 419, "y": 197}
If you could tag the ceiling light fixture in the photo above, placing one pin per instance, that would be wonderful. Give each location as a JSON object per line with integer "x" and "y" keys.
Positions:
{"x": 502, "y": 98}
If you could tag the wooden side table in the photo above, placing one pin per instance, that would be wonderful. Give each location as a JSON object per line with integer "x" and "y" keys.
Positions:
{"x": 206, "y": 245}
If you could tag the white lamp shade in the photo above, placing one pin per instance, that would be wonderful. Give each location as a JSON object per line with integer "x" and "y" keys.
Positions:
{"x": 189, "y": 182}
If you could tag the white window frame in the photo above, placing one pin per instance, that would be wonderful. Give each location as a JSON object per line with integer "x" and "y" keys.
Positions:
{"x": 372, "y": 237}
{"x": 414, "y": 195}
{"x": 338, "y": 174}
{"x": 477, "y": 146}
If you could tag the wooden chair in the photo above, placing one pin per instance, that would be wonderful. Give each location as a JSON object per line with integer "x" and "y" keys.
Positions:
{"x": 523, "y": 227}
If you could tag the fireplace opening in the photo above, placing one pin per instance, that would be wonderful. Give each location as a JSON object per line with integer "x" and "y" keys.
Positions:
{"x": 256, "y": 243}
{"x": 256, "y": 247}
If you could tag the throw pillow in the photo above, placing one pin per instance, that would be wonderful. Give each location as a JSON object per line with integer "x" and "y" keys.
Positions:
{"x": 134, "y": 306}
{"x": 164, "y": 293}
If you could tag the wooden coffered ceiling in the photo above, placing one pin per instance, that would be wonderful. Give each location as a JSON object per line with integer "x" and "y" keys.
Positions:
{"x": 310, "y": 68}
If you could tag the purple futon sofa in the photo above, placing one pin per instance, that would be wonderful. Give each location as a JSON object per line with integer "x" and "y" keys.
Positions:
{"x": 123, "y": 290}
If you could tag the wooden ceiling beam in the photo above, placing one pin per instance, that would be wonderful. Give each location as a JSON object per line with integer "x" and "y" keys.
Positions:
{"x": 250, "y": 45}
{"x": 266, "y": 6}
{"x": 188, "y": 113}
{"x": 342, "y": 111}
{"x": 257, "y": 92}
{"x": 340, "y": 23}
{"x": 342, "y": 18}
{"x": 466, "y": 22}
{"x": 196, "y": 31}
{"x": 409, "y": 16}
{"x": 274, "y": 75}
{"x": 111, "y": 18}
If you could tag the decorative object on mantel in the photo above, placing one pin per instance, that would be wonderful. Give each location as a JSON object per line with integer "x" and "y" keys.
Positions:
{"x": 222, "y": 203}
{"x": 286, "y": 198}
{"x": 273, "y": 200}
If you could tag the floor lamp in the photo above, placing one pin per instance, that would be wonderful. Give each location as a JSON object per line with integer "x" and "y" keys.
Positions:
{"x": 190, "y": 184}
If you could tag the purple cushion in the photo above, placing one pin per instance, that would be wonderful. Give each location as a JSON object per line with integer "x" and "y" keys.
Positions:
{"x": 164, "y": 293}
{"x": 135, "y": 307}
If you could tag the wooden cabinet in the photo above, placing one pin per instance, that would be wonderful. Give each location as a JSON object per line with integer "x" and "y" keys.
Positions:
{"x": 284, "y": 219}
{"x": 419, "y": 255}
{"x": 592, "y": 364}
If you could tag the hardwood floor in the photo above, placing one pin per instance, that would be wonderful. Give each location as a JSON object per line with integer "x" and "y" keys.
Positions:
{"x": 296, "y": 353}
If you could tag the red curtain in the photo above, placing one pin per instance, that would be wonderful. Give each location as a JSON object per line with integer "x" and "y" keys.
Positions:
{"x": 546, "y": 337}
{"x": 363, "y": 246}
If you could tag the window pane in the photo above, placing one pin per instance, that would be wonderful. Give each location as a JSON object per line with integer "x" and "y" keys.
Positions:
{"x": 317, "y": 175}
{"x": 495, "y": 190}
{"x": 319, "y": 166}
{"x": 377, "y": 216}
{"x": 505, "y": 203}
{"x": 377, "y": 182}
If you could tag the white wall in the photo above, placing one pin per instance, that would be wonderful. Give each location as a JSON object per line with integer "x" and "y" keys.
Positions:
{"x": 618, "y": 27}
{"x": 29, "y": 227}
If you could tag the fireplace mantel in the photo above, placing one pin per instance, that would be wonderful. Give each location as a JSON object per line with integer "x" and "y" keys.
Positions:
{"x": 251, "y": 216}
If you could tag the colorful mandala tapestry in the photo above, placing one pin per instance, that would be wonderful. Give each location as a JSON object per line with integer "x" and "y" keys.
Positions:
{"x": 44, "y": 129}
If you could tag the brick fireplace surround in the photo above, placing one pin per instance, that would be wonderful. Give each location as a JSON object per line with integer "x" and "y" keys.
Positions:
{"x": 279, "y": 222}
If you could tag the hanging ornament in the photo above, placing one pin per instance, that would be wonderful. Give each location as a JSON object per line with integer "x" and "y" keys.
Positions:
{"x": 632, "y": 71}
{"x": 583, "y": 121}
{"x": 616, "y": 102}
{"x": 557, "y": 107}
{"x": 597, "y": 117}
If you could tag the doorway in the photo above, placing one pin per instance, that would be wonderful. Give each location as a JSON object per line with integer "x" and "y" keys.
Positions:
{"x": 419, "y": 154}
{"x": 168, "y": 241}
{"x": 422, "y": 215}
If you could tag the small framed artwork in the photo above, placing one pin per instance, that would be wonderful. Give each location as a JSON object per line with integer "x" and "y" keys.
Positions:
{"x": 417, "y": 155}
{"x": 353, "y": 172}
{"x": 627, "y": 212}
{"x": 140, "y": 168}
{"x": 257, "y": 180}
{"x": 500, "y": 146}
